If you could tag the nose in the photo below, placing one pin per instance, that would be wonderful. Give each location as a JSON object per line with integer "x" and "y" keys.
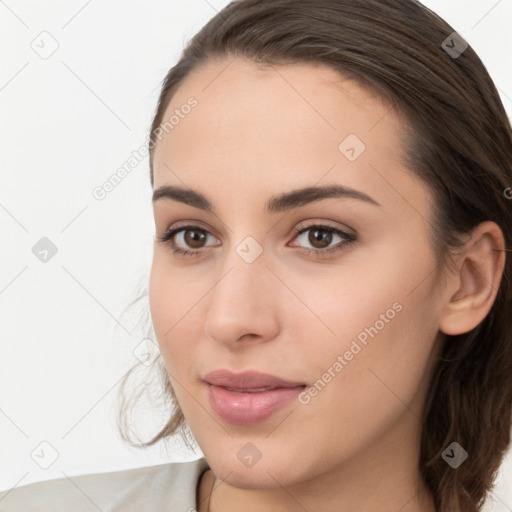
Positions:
{"x": 243, "y": 306}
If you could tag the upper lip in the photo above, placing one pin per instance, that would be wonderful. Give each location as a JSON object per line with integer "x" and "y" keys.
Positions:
{"x": 248, "y": 380}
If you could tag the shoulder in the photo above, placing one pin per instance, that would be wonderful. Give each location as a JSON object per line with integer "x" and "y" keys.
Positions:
{"x": 170, "y": 486}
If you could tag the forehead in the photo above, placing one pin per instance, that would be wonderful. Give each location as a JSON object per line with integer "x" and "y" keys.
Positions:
{"x": 257, "y": 124}
{"x": 227, "y": 91}
{"x": 294, "y": 97}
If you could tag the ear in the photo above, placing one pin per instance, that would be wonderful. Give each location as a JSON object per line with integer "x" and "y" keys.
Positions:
{"x": 472, "y": 288}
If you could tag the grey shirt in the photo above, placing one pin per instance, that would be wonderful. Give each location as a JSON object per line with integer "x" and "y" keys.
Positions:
{"x": 167, "y": 487}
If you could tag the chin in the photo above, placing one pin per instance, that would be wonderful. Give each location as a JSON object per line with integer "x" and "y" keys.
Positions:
{"x": 270, "y": 474}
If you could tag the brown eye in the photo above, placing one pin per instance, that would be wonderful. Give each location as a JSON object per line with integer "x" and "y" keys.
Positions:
{"x": 320, "y": 237}
{"x": 194, "y": 238}
{"x": 186, "y": 240}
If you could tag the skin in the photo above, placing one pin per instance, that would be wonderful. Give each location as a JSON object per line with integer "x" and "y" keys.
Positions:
{"x": 260, "y": 132}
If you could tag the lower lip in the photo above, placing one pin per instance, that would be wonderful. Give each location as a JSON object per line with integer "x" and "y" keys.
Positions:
{"x": 248, "y": 408}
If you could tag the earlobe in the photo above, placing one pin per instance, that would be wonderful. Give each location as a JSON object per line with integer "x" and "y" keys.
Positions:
{"x": 472, "y": 289}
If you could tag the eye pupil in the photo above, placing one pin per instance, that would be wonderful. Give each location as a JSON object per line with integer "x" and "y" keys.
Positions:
{"x": 314, "y": 237}
{"x": 192, "y": 240}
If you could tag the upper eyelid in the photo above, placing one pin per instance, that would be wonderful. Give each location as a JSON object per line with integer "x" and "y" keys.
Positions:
{"x": 348, "y": 240}
{"x": 297, "y": 231}
{"x": 303, "y": 225}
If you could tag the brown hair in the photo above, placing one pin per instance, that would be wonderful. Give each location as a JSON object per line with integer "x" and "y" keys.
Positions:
{"x": 462, "y": 149}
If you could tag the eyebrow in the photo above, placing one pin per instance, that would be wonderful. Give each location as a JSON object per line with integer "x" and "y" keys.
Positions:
{"x": 275, "y": 204}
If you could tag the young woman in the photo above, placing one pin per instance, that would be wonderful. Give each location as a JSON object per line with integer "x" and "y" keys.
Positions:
{"x": 330, "y": 288}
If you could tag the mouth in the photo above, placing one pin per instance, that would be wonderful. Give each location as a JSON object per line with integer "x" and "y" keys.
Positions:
{"x": 248, "y": 380}
{"x": 247, "y": 390}
{"x": 250, "y": 397}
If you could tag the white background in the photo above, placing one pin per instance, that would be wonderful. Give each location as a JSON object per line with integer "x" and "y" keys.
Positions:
{"x": 69, "y": 122}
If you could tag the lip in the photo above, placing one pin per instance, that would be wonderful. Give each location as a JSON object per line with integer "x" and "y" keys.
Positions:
{"x": 249, "y": 397}
{"x": 249, "y": 379}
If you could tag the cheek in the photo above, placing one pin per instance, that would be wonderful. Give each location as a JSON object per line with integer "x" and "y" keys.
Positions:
{"x": 384, "y": 315}
{"x": 376, "y": 383}
{"x": 374, "y": 290}
{"x": 174, "y": 298}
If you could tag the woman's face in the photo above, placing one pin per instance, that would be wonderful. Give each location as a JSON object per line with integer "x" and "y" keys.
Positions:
{"x": 355, "y": 323}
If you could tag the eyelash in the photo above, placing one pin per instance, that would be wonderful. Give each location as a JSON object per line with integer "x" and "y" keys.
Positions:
{"x": 167, "y": 239}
